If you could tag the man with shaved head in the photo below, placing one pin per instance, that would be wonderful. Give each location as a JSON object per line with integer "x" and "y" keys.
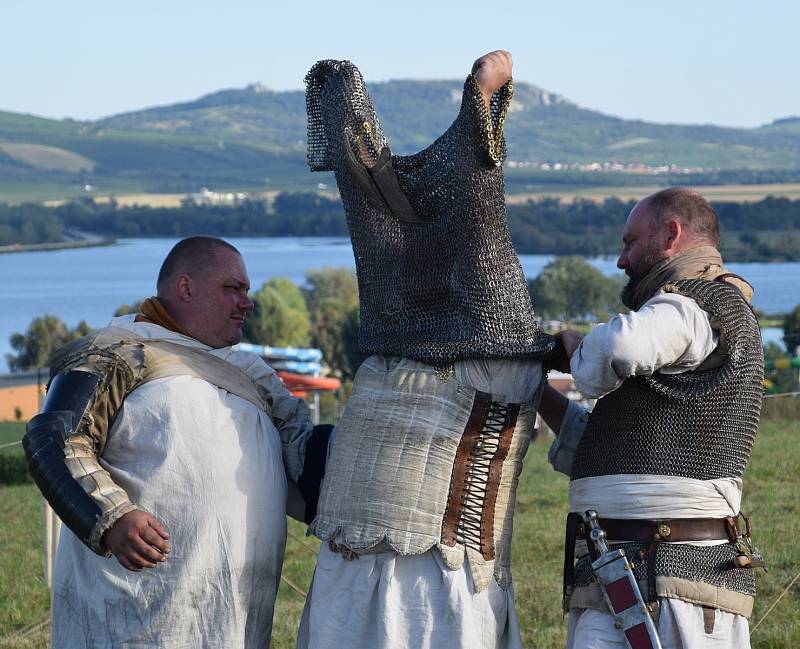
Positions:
{"x": 163, "y": 446}
{"x": 661, "y": 456}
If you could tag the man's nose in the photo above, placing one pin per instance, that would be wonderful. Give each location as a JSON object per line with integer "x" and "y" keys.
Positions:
{"x": 246, "y": 304}
{"x": 622, "y": 262}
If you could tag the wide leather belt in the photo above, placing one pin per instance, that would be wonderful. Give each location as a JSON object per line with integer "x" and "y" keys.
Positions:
{"x": 671, "y": 530}
{"x": 651, "y": 532}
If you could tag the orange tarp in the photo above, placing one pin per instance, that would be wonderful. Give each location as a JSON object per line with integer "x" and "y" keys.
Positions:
{"x": 19, "y": 403}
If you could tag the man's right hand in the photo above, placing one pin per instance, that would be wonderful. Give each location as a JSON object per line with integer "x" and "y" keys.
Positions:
{"x": 138, "y": 541}
{"x": 491, "y": 71}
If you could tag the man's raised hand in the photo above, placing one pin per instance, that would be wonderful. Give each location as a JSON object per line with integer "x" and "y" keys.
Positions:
{"x": 138, "y": 541}
{"x": 491, "y": 71}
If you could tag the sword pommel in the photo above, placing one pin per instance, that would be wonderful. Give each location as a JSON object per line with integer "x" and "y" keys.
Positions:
{"x": 596, "y": 533}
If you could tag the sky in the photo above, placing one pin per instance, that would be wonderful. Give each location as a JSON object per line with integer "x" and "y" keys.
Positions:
{"x": 729, "y": 63}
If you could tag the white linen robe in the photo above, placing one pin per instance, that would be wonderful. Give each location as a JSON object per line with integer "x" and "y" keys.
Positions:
{"x": 209, "y": 465}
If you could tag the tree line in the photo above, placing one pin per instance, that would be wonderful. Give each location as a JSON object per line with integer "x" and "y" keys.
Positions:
{"x": 766, "y": 230}
{"x": 324, "y": 313}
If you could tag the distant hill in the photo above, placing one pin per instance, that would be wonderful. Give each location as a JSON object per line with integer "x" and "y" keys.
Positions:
{"x": 540, "y": 126}
{"x": 254, "y": 138}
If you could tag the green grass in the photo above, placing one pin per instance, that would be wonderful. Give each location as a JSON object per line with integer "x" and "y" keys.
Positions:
{"x": 772, "y": 484}
{"x": 11, "y": 431}
{"x": 24, "y": 598}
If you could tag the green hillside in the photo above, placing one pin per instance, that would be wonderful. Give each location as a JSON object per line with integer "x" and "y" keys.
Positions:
{"x": 254, "y": 138}
{"x": 540, "y": 126}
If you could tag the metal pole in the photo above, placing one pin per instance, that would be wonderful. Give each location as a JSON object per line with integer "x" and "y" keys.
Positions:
{"x": 52, "y": 524}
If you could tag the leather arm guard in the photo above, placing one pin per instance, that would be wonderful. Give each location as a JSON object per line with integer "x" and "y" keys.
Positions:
{"x": 310, "y": 480}
{"x": 63, "y": 461}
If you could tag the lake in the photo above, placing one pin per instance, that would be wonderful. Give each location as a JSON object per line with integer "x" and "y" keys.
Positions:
{"x": 90, "y": 283}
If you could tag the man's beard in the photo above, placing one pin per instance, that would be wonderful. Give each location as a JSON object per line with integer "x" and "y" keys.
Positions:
{"x": 628, "y": 291}
{"x": 635, "y": 277}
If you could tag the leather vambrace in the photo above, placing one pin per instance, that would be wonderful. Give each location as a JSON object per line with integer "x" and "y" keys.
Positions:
{"x": 62, "y": 459}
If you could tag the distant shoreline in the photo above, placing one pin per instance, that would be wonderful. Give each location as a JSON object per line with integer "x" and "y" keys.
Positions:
{"x": 57, "y": 245}
{"x": 93, "y": 241}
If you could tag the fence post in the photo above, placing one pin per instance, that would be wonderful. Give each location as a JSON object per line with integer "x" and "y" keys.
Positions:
{"x": 52, "y": 532}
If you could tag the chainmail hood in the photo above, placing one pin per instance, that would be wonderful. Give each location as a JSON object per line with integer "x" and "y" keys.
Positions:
{"x": 438, "y": 277}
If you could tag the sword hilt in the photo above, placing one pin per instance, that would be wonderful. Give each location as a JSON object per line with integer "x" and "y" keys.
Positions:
{"x": 596, "y": 533}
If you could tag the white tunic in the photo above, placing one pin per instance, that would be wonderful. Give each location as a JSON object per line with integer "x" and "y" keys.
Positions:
{"x": 387, "y": 601}
{"x": 671, "y": 334}
{"x": 208, "y": 464}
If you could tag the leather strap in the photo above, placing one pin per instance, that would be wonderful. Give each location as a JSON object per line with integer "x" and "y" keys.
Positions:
{"x": 493, "y": 481}
{"x": 574, "y": 520}
{"x": 652, "y": 532}
{"x": 669, "y": 530}
{"x": 709, "y": 614}
{"x": 458, "y": 479}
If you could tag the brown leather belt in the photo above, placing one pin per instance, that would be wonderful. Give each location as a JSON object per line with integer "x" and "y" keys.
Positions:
{"x": 667, "y": 530}
{"x": 652, "y": 532}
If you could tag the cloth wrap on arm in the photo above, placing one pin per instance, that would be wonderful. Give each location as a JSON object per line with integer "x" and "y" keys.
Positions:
{"x": 421, "y": 459}
{"x": 90, "y": 380}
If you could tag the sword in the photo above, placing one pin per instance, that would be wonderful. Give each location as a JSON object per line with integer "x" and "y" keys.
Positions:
{"x": 614, "y": 573}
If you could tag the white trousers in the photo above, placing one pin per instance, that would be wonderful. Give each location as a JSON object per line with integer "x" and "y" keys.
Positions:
{"x": 387, "y": 601}
{"x": 680, "y": 626}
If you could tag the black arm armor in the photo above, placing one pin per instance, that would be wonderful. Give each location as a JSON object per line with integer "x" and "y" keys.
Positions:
{"x": 314, "y": 469}
{"x": 46, "y": 443}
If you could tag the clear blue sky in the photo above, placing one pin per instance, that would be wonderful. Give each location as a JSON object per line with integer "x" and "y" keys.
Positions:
{"x": 731, "y": 63}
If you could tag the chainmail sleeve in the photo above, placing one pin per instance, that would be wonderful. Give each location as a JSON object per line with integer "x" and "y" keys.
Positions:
{"x": 438, "y": 277}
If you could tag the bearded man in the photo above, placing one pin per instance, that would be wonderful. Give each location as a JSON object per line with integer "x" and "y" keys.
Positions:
{"x": 417, "y": 502}
{"x": 661, "y": 456}
{"x": 161, "y": 444}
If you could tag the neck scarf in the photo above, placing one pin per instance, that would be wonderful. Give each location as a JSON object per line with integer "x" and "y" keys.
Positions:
{"x": 703, "y": 262}
{"x": 153, "y": 311}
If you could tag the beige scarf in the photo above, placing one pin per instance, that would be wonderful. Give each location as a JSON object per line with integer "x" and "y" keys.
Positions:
{"x": 152, "y": 311}
{"x": 703, "y": 262}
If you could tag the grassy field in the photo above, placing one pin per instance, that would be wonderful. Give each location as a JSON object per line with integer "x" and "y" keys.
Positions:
{"x": 732, "y": 193}
{"x": 772, "y": 484}
{"x": 11, "y": 431}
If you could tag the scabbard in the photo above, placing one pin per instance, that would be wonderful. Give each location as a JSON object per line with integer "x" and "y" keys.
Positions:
{"x": 615, "y": 575}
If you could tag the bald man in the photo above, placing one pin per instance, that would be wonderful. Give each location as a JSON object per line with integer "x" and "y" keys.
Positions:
{"x": 163, "y": 447}
{"x": 661, "y": 456}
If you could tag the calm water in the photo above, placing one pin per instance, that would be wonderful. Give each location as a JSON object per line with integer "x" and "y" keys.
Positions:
{"x": 90, "y": 283}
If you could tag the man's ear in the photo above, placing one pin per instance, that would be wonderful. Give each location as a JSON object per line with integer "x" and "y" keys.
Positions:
{"x": 674, "y": 233}
{"x": 183, "y": 287}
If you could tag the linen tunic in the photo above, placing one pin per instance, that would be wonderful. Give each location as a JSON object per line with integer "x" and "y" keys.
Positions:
{"x": 209, "y": 465}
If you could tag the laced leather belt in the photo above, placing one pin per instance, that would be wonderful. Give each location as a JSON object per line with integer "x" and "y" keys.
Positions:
{"x": 474, "y": 483}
